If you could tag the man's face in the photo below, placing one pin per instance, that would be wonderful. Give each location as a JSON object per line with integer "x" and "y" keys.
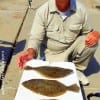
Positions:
{"x": 62, "y": 5}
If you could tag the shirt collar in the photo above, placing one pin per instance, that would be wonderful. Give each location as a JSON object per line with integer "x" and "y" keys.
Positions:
{"x": 73, "y": 5}
{"x": 53, "y": 8}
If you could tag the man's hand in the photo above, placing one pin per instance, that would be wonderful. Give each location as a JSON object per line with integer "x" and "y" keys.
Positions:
{"x": 92, "y": 38}
{"x": 25, "y": 56}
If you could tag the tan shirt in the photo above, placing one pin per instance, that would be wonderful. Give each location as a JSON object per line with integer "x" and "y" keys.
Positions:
{"x": 60, "y": 33}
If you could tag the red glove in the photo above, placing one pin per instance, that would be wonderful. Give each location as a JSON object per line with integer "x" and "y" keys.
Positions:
{"x": 25, "y": 56}
{"x": 92, "y": 38}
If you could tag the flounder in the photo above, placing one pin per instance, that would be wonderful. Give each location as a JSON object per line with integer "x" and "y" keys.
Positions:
{"x": 51, "y": 72}
{"x": 49, "y": 88}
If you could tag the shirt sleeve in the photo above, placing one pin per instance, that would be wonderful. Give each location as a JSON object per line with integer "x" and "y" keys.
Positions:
{"x": 37, "y": 32}
{"x": 86, "y": 27}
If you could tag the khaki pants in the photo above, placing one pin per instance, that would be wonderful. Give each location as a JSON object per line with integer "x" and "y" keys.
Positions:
{"x": 78, "y": 53}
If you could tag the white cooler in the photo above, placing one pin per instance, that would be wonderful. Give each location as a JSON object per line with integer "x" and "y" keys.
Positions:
{"x": 26, "y": 94}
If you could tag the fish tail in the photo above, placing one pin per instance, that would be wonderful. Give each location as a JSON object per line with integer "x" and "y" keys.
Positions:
{"x": 73, "y": 87}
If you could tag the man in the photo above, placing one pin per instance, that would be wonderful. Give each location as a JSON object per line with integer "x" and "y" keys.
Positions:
{"x": 62, "y": 26}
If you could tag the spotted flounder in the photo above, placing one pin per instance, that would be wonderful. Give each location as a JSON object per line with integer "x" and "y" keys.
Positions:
{"x": 51, "y": 72}
{"x": 51, "y": 88}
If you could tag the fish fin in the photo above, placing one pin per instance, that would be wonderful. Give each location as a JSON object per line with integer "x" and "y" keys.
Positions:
{"x": 73, "y": 87}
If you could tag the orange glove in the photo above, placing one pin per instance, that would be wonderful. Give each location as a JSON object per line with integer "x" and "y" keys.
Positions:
{"x": 25, "y": 56}
{"x": 92, "y": 38}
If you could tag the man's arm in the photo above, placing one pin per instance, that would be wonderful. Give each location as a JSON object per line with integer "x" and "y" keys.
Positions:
{"x": 92, "y": 36}
{"x": 37, "y": 32}
{"x": 34, "y": 41}
{"x": 86, "y": 27}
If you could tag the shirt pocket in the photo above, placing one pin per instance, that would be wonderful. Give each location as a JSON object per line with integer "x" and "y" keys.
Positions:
{"x": 75, "y": 28}
{"x": 53, "y": 28}
{"x": 53, "y": 32}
